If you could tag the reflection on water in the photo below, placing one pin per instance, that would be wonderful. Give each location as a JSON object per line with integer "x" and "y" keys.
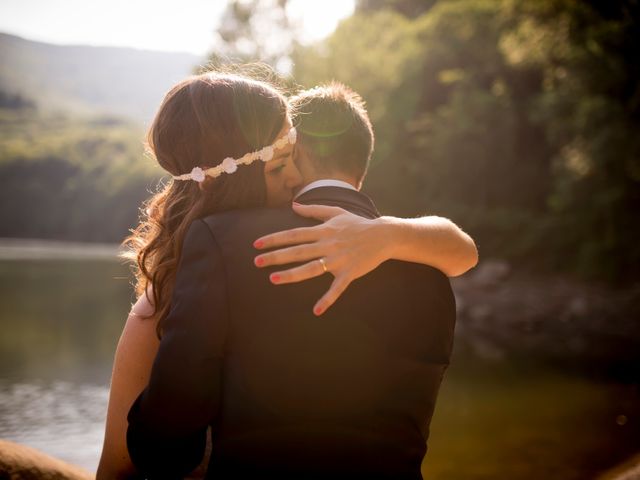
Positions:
{"x": 61, "y": 319}
{"x": 61, "y": 418}
{"x": 526, "y": 422}
{"x": 60, "y": 322}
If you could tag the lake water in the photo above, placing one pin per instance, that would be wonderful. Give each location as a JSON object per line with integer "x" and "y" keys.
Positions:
{"x": 61, "y": 318}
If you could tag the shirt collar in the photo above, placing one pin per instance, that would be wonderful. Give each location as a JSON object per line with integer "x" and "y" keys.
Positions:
{"x": 325, "y": 183}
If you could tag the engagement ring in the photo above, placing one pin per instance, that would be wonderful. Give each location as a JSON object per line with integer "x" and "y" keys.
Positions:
{"x": 324, "y": 265}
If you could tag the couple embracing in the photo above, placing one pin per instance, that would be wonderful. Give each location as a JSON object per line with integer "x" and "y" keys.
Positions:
{"x": 251, "y": 351}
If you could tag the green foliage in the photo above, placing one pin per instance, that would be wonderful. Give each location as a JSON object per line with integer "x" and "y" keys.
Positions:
{"x": 408, "y": 8}
{"x": 591, "y": 108}
{"x": 80, "y": 179}
{"x": 255, "y": 31}
{"x": 379, "y": 56}
{"x": 517, "y": 119}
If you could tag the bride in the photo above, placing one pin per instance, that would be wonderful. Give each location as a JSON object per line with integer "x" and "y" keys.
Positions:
{"x": 205, "y": 121}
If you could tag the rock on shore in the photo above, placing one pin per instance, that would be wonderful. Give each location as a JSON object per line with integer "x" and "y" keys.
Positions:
{"x": 19, "y": 462}
{"x": 504, "y": 313}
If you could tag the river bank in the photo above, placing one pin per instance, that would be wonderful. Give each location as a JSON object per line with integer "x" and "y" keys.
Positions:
{"x": 36, "y": 249}
{"x": 629, "y": 470}
{"x": 569, "y": 323}
{"x": 593, "y": 330}
{"x": 500, "y": 414}
{"x": 20, "y": 462}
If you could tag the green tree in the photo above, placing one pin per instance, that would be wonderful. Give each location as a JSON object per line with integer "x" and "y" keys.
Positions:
{"x": 255, "y": 31}
{"x": 519, "y": 119}
{"x": 591, "y": 107}
{"x": 68, "y": 178}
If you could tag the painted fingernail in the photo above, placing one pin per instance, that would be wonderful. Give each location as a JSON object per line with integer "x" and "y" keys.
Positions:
{"x": 317, "y": 310}
{"x": 275, "y": 278}
{"x": 258, "y": 244}
{"x": 259, "y": 261}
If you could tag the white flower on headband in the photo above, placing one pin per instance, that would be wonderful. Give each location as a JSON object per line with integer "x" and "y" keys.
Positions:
{"x": 266, "y": 153}
{"x": 229, "y": 165}
{"x": 197, "y": 174}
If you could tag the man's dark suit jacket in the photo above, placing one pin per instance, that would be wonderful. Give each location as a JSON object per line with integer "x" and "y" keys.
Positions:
{"x": 349, "y": 394}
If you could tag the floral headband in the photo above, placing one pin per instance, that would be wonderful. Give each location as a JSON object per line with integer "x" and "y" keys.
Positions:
{"x": 230, "y": 165}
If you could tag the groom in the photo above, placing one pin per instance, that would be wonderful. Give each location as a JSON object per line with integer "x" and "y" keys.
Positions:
{"x": 287, "y": 394}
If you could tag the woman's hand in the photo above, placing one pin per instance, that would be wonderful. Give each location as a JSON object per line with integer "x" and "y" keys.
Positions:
{"x": 346, "y": 245}
{"x": 349, "y": 246}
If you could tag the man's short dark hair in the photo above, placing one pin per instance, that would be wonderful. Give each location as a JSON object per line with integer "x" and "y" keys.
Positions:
{"x": 334, "y": 128}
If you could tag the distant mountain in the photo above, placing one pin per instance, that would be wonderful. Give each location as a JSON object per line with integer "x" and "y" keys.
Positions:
{"x": 117, "y": 81}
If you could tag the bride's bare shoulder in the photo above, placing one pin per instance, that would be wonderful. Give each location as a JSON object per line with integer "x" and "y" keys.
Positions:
{"x": 140, "y": 328}
{"x": 143, "y": 308}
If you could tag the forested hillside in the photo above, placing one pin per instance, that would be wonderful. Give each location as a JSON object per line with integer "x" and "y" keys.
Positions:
{"x": 72, "y": 122}
{"x": 69, "y": 177}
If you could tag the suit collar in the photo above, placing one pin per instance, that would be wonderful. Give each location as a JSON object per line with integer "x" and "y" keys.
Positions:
{"x": 329, "y": 182}
{"x": 351, "y": 200}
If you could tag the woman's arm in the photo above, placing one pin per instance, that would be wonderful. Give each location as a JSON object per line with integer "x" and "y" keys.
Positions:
{"x": 168, "y": 422}
{"x": 351, "y": 246}
{"x": 131, "y": 368}
{"x": 432, "y": 240}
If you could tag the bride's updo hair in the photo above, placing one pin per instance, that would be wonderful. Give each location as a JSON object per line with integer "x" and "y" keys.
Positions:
{"x": 201, "y": 121}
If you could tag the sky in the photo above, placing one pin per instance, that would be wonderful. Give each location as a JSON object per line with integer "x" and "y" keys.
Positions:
{"x": 183, "y": 26}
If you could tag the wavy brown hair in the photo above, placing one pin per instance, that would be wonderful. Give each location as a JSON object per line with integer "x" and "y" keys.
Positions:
{"x": 202, "y": 120}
